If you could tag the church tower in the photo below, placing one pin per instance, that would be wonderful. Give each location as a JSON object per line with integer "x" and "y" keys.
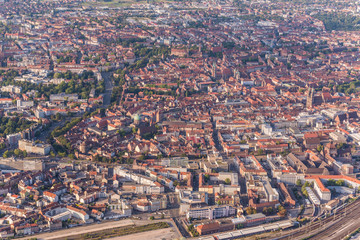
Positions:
{"x": 213, "y": 70}
{"x": 310, "y": 98}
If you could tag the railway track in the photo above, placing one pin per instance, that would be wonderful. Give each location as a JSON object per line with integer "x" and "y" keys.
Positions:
{"x": 324, "y": 225}
{"x": 341, "y": 228}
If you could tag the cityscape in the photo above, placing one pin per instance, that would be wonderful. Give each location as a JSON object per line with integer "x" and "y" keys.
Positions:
{"x": 169, "y": 119}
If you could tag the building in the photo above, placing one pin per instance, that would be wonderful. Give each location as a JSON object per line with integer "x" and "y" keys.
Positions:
{"x": 21, "y": 164}
{"x": 27, "y": 229}
{"x": 313, "y": 198}
{"x": 208, "y": 228}
{"x": 323, "y": 192}
{"x": 211, "y": 212}
{"x": 24, "y": 104}
{"x": 13, "y": 139}
{"x": 64, "y": 97}
{"x": 32, "y": 147}
{"x": 51, "y": 197}
{"x": 289, "y": 199}
{"x": 255, "y": 219}
{"x": 11, "y": 89}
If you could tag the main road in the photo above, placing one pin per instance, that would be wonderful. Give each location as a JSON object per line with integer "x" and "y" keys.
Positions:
{"x": 108, "y": 87}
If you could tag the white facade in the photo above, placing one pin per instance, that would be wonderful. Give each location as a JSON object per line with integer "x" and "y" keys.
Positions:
{"x": 313, "y": 198}
{"x": 211, "y": 213}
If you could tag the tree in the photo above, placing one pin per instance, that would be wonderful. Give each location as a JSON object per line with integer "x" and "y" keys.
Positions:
{"x": 17, "y": 152}
{"x": 240, "y": 225}
{"x": 331, "y": 182}
{"x": 192, "y": 230}
{"x": 281, "y": 211}
{"x": 340, "y": 145}
{"x": 58, "y": 75}
{"x": 319, "y": 148}
{"x": 303, "y": 189}
{"x": 250, "y": 210}
{"x": 267, "y": 211}
{"x": 190, "y": 227}
{"x": 207, "y": 177}
{"x": 151, "y": 217}
{"x": 142, "y": 157}
{"x": 298, "y": 182}
{"x": 6, "y": 154}
{"x": 134, "y": 130}
{"x": 102, "y": 112}
{"x": 260, "y": 151}
{"x": 227, "y": 181}
{"x": 340, "y": 182}
{"x": 52, "y": 154}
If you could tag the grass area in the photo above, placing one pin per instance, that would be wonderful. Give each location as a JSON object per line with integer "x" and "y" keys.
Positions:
{"x": 308, "y": 237}
{"x": 117, "y": 232}
{"x": 111, "y": 4}
{"x": 265, "y": 235}
{"x": 352, "y": 234}
{"x": 117, "y": 3}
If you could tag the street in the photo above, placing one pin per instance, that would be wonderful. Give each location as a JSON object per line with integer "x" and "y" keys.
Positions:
{"x": 108, "y": 88}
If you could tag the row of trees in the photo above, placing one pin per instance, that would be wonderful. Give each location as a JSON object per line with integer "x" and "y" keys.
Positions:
{"x": 74, "y": 76}
{"x": 68, "y": 125}
{"x": 303, "y": 188}
{"x": 332, "y": 182}
{"x": 63, "y": 59}
{"x": 16, "y": 153}
{"x": 267, "y": 211}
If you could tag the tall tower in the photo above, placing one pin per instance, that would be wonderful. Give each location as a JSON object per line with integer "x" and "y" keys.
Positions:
{"x": 213, "y": 70}
{"x": 83, "y": 148}
{"x": 310, "y": 98}
{"x": 158, "y": 116}
{"x": 236, "y": 74}
{"x": 224, "y": 58}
